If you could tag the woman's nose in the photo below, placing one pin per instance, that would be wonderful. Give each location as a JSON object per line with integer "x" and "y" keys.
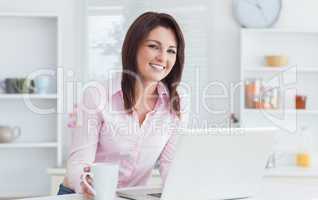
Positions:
{"x": 162, "y": 56}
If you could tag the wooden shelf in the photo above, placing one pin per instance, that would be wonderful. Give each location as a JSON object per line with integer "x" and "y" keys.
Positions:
{"x": 31, "y": 96}
{"x": 29, "y": 145}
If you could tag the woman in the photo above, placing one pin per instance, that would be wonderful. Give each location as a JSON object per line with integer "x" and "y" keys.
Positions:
{"x": 136, "y": 124}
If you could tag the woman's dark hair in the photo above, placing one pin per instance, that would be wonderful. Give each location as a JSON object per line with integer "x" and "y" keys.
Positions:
{"x": 137, "y": 32}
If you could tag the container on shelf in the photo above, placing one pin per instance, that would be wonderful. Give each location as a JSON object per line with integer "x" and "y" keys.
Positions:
{"x": 303, "y": 156}
{"x": 276, "y": 60}
{"x": 300, "y": 101}
{"x": 252, "y": 92}
{"x": 274, "y": 98}
{"x": 257, "y": 97}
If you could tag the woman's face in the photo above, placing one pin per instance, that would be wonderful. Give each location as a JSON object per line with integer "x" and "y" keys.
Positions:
{"x": 157, "y": 54}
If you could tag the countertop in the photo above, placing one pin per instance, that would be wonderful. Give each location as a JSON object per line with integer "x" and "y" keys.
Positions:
{"x": 279, "y": 171}
{"x": 270, "y": 191}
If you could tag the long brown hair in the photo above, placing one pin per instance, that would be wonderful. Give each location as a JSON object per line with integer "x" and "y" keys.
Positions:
{"x": 139, "y": 29}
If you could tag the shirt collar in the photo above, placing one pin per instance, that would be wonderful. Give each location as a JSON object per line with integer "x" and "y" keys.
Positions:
{"x": 162, "y": 89}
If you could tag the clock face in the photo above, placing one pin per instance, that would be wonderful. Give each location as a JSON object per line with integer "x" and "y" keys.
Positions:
{"x": 256, "y": 13}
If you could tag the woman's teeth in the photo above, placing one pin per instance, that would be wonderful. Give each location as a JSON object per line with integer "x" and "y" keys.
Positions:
{"x": 157, "y": 67}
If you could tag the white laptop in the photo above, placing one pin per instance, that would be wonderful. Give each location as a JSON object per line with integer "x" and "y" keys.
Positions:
{"x": 213, "y": 164}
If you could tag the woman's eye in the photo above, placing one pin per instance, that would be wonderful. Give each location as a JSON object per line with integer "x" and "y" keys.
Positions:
{"x": 153, "y": 46}
{"x": 172, "y": 51}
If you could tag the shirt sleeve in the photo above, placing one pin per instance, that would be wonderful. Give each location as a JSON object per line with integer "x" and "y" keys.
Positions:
{"x": 167, "y": 154}
{"x": 85, "y": 125}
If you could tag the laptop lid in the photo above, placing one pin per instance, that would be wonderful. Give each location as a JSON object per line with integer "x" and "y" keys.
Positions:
{"x": 218, "y": 163}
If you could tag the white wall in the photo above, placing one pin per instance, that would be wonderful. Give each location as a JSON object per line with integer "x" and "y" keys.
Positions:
{"x": 223, "y": 55}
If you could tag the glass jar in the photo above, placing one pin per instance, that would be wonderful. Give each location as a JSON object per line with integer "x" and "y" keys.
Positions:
{"x": 300, "y": 101}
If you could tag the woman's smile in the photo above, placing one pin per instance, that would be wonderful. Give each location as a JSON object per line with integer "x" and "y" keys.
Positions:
{"x": 157, "y": 67}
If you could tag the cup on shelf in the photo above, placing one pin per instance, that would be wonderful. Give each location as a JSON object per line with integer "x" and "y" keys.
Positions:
{"x": 300, "y": 101}
{"x": 10, "y": 85}
{"x": 25, "y": 85}
{"x": 18, "y": 85}
{"x": 42, "y": 84}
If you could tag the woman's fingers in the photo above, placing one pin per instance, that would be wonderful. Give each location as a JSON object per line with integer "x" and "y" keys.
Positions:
{"x": 86, "y": 192}
{"x": 89, "y": 180}
{"x": 88, "y": 197}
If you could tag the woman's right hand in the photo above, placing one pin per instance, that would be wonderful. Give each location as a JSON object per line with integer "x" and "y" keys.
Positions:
{"x": 88, "y": 194}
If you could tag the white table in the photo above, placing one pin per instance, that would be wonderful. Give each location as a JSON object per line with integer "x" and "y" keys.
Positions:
{"x": 270, "y": 191}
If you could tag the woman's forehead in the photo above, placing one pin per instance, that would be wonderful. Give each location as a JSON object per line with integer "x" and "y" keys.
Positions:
{"x": 162, "y": 36}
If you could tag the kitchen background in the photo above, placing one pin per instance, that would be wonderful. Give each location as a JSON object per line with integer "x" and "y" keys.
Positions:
{"x": 213, "y": 54}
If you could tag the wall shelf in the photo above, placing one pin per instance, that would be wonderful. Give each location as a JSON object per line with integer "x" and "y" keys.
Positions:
{"x": 29, "y": 145}
{"x": 29, "y": 14}
{"x": 300, "y": 46}
{"x": 288, "y": 111}
{"x": 292, "y": 172}
{"x": 279, "y": 30}
{"x": 31, "y": 47}
{"x": 31, "y": 96}
{"x": 282, "y": 69}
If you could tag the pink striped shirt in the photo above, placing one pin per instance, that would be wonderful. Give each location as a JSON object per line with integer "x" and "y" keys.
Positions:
{"x": 104, "y": 132}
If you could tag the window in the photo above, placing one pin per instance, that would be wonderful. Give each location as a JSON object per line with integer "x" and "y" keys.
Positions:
{"x": 105, "y": 37}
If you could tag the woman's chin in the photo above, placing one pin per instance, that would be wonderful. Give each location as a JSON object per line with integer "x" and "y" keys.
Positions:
{"x": 156, "y": 77}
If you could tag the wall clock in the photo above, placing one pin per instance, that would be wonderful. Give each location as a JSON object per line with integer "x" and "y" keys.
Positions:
{"x": 256, "y": 13}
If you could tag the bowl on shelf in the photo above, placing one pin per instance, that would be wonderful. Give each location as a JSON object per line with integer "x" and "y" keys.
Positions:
{"x": 9, "y": 134}
{"x": 276, "y": 60}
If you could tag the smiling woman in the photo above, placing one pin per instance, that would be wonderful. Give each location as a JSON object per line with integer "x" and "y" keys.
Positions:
{"x": 146, "y": 109}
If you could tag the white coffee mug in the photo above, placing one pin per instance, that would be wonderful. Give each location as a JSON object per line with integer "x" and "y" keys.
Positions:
{"x": 105, "y": 178}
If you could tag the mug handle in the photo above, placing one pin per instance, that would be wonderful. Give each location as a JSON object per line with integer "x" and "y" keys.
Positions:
{"x": 85, "y": 174}
{"x": 17, "y": 132}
